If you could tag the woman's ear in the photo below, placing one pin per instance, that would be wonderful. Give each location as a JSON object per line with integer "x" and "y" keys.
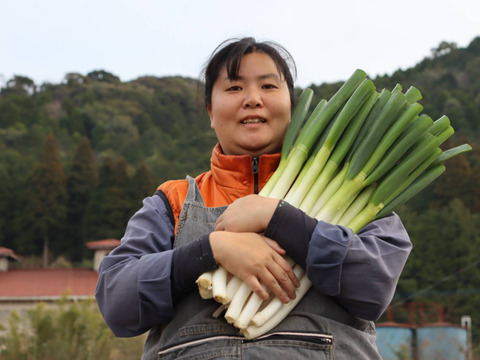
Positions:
{"x": 209, "y": 110}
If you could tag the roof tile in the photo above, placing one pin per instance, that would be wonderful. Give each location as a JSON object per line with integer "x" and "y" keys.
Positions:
{"x": 47, "y": 282}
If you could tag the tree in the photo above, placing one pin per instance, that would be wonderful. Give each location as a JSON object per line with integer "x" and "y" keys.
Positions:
{"x": 21, "y": 84}
{"x": 73, "y": 78}
{"x": 44, "y": 199}
{"x": 103, "y": 76}
{"x": 443, "y": 266}
{"x": 9, "y": 114}
{"x": 142, "y": 185}
{"x": 110, "y": 206}
{"x": 119, "y": 191}
{"x": 5, "y": 191}
{"x": 443, "y": 48}
{"x": 474, "y": 46}
{"x": 453, "y": 183}
{"x": 17, "y": 107}
{"x": 81, "y": 181}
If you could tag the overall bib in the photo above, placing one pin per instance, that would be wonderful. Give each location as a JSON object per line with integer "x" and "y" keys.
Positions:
{"x": 318, "y": 327}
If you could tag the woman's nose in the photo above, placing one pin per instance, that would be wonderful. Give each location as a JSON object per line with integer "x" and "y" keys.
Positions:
{"x": 253, "y": 99}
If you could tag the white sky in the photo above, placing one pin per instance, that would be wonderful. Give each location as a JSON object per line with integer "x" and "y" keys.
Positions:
{"x": 47, "y": 39}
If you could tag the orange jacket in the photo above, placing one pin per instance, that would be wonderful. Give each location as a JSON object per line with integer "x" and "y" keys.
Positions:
{"x": 230, "y": 177}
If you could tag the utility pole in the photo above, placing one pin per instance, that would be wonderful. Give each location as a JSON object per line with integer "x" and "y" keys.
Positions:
{"x": 466, "y": 322}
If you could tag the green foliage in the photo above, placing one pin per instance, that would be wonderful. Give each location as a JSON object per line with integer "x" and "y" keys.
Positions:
{"x": 443, "y": 267}
{"x": 111, "y": 203}
{"x": 81, "y": 181}
{"x": 150, "y": 125}
{"x": 443, "y": 48}
{"x": 20, "y": 84}
{"x": 143, "y": 184}
{"x": 103, "y": 76}
{"x": 73, "y": 331}
{"x": 43, "y": 203}
{"x": 450, "y": 83}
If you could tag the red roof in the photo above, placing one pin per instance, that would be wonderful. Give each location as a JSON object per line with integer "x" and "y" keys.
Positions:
{"x": 107, "y": 244}
{"x": 29, "y": 283}
{"x": 5, "y": 252}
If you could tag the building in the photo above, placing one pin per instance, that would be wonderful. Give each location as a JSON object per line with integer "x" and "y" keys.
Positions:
{"x": 22, "y": 289}
{"x": 7, "y": 255}
{"x": 101, "y": 248}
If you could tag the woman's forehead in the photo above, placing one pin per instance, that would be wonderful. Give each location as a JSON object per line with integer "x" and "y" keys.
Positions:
{"x": 257, "y": 65}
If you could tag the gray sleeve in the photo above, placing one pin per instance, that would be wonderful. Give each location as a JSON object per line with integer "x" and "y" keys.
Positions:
{"x": 134, "y": 290}
{"x": 360, "y": 270}
{"x": 188, "y": 263}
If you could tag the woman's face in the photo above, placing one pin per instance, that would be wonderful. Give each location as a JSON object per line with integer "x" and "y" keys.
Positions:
{"x": 250, "y": 115}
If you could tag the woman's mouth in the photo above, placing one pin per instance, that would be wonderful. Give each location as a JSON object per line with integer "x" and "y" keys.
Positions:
{"x": 253, "y": 121}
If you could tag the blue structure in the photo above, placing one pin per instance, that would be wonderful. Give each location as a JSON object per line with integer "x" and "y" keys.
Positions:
{"x": 395, "y": 341}
{"x": 441, "y": 341}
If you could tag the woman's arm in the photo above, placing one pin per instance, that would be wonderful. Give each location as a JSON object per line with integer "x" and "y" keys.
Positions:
{"x": 134, "y": 288}
{"x": 360, "y": 270}
{"x": 139, "y": 281}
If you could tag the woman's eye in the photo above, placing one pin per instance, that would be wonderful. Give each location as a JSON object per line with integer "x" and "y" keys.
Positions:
{"x": 269, "y": 86}
{"x": 234, "y": 88}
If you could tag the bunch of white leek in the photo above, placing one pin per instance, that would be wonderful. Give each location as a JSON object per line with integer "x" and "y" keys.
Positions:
{"x": 354, "y": 159}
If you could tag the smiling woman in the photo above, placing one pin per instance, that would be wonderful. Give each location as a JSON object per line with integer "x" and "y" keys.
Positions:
{"x": 250, "y": 113}
{"x": 192, "y": 226}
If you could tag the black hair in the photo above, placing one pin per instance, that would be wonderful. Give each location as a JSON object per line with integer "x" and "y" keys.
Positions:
{"x": 230, "y": 52}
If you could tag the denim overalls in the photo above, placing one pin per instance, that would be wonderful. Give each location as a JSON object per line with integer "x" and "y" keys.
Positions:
{"x": 318, "y": 328}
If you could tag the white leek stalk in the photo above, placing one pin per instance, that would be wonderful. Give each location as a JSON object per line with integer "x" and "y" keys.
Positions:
{"x": 254, "y": 331}
{"x": 219, "y": 284}
{"x": 275, "y": 304}
{"x": 204, "y": 283}
{"x": 236, "y": 305}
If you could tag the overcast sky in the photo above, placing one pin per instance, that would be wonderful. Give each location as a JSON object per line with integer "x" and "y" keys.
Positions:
{"x": 47, "y": 39}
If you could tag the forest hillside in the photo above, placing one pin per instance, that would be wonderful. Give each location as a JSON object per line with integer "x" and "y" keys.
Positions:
{"x": 77, "y": 158}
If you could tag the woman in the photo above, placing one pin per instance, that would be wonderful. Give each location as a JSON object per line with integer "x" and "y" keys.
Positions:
{"x": 192, "y": 226}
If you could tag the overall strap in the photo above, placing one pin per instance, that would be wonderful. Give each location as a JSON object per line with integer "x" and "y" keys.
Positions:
{"x": 193, "y": 193}
{"x": 195, "y": 218}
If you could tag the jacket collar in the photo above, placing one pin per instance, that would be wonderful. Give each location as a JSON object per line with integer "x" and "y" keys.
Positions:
{"x": 235, "y": 171}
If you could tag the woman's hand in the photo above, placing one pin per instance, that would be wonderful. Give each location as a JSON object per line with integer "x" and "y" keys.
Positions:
{"x": 251, "y": 213}
{"x": 256, "y": 260}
